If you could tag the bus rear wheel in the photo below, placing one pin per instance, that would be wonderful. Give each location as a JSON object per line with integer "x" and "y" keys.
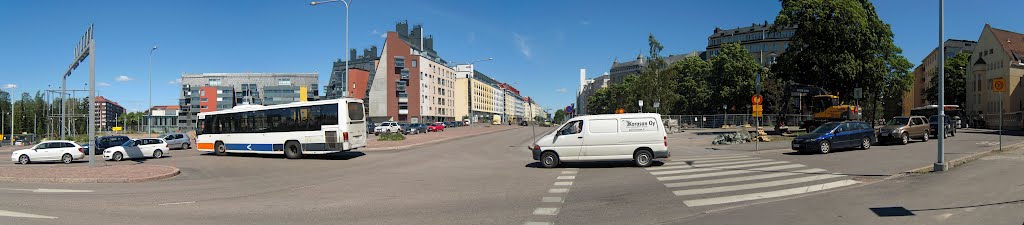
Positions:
{"x": 292, "y": 150}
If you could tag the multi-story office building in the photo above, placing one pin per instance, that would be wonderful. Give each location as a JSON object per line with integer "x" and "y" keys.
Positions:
{"x": 208, "y": 92}
{"x": 339, "y": 85}
{"x": 437, "y": 92}
{"x": 395, "y": 84}
{"x": 513, "y": 112}
{"x": 589, "y": 88}
{"x": 478, "y": 96}
{"x": 107, "y": 113}
{"x": 998, "y": 54}
{"x": 917, "y": 96}
{"x": 164, "y": 118}
{"x": 762, "y": 43}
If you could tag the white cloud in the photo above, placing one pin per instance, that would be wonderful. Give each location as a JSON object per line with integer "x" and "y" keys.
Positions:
{"x": 523, "y": 46}
{"x": 10, "y": 86}
{"x": 122, "y": 78}
{"x": 562, "y": 90}
{"x": 382, "y": 35}
{"x": 102, "y": 84}
{"x": 584, "y": 22}
{"x": 175, "y": 81}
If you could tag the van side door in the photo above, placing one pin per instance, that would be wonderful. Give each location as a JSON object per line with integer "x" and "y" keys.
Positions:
{"x": 568, "y": 141}
{"x": 603, "y": 141}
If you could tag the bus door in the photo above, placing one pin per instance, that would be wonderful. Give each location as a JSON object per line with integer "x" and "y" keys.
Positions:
{"x": 356, "y": 125}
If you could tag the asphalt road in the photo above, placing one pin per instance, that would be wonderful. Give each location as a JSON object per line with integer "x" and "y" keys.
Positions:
{"x": 487, "y": 179}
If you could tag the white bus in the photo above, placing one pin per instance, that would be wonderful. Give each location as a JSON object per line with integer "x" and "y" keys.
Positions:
{"x": 293, "y": 129}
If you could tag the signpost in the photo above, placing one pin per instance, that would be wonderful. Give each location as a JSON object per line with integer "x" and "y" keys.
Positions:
{"x": 999, "y": 86}
{"x": 86, "y": 48}
{"x": 641, "y": 103}
{"x": 756, "y": 101}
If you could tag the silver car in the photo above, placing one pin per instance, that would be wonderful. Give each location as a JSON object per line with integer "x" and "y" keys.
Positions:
{"x": 176, "y": 140}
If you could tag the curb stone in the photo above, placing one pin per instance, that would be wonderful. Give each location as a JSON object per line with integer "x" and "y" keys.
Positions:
{"x": 174, "y": 172}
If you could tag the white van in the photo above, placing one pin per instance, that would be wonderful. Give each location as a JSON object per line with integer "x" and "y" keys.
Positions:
{"x": 639, "y": 137}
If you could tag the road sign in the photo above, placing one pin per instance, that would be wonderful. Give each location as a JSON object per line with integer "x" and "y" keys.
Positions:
{"x": 756, "y": 99}
{"x": 116, "y": 129}
{"x": 858, "y": 93}
{"x": 757, "y": 111}
{"x": 568, "y": 109}
{"x": 999, "y": 85}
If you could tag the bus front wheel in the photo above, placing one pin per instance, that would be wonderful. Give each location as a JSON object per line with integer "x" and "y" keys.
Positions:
{"x": 292, "y": 150}
{"x": 219, "y": 149}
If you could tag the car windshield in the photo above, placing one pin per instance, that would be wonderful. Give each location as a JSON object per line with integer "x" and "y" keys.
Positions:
{"x": 825, "y": 128}
{"x": 899, "y": 121}
{"x": 128, "y": 143}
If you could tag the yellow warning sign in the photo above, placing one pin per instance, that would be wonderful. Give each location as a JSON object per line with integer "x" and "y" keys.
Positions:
{"x": 999, "y": 85}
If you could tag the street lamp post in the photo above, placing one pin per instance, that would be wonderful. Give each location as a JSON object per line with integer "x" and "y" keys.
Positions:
{"x": 940, "y": 164}
{"x": 346, "y": 52}
{"x": 149, "y": 124}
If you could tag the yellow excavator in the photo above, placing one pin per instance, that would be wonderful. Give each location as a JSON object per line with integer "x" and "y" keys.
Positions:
{"x": 823, "y": 106}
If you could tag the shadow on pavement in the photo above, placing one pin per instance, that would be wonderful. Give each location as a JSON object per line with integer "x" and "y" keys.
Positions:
{"x": 993, "y": 132}
{"x": 690, "y": 163}
{"x": 901, "y": 211}
{"x": 333, "y": 156}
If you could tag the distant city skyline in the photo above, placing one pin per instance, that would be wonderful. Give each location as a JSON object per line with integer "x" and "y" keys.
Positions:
{"x": 539, "y": 50}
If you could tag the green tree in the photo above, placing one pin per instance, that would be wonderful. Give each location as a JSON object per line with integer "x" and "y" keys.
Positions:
{"x": 840, "y": 45}
{"x": 656, "y": 80}
{"x": 691, "y": 78}
{"x": 734, "y": 72}
{"x": 955, "y": 81}
{"x": 559, "y": 116}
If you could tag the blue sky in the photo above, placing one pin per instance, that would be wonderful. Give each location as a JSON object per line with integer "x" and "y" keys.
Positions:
{"x": 539, "y": 46}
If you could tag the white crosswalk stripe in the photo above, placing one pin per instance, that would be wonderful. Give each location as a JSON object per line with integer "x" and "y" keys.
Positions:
{"x": 727, "y": 179}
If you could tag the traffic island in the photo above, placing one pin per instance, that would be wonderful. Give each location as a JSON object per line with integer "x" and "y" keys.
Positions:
{"x": 85, "y": 174}
{"x": 449, "y": 134}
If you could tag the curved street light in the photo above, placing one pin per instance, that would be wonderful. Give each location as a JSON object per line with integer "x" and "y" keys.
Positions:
{"x": 346, "y": 52}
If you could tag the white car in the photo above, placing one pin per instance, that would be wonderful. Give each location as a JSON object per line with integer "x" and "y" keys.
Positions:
{"x": 137, "y": 148}
{"x": 63, "y": 151}
{"x": 639, "y": 137}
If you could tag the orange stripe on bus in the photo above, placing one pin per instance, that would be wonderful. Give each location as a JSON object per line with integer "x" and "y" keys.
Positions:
{"x": 204, "y": 145}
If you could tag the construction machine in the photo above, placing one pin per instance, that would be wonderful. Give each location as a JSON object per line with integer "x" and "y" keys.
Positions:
{"x": 823, "y": 106}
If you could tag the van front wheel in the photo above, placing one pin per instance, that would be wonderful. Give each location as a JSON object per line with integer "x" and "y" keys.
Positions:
{"x": 549, "y": 159}
{"x": 643, "y": 158}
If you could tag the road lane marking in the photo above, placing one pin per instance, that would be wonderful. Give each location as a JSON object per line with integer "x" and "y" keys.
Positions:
{"x": 706, "y": 165}
{"x": 685, "y": 162}
{"x": 768, "y": 194}
{"x": 552, "y": 199}
{"x": 24, "y": 215}
{"x": 563, "y": 183}
{"x": 566, "y": 177}
{"x": 545, "y": 211}
{"x": 558, "y": 190}
{"x": 45, "y": 190}
{"x": 569, "y": 172}
{"x": 754, "y": 185}
{"x": 176, "y": 203}
{"x": 733, "y": 172}
{"x": 710, "y": 158}
{"x": 698, "y": 169}
{"x": 538, "y": 223}
{"x": 746, "y": 178}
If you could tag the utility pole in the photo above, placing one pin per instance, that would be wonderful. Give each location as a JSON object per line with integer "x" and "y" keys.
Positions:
{"x": 940, "y": 164}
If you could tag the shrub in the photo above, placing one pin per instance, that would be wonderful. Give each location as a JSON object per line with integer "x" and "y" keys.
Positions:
{"x": 391, "y": 137}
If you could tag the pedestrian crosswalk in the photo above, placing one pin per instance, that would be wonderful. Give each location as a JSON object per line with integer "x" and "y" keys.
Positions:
{"x": 723, "y": 179}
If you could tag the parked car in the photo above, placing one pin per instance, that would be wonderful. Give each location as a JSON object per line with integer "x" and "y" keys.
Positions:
{"x": 466, "y": 122}
{"x": 408, "y": 129}
{"x": 370, "y": 127}
{"x": 903, "y": 128}
{"x": 836, "y": 135}
{"x": 63, "y": 151}
{"x": 933, "y": 123}
{"x": 178, "y": 140}
{"x": 436, "y": 127}
{"x": 137, "y": 148}
{"x": 422, "y": 128}
{"x": 523, "y": 123}
{"x": 639, "y": 137}
{"x": 102, "y": 143}
{"x": 387, "y": 127}
{"x": 959, "y": 122}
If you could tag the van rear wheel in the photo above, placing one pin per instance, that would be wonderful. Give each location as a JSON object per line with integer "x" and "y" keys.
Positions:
{"x": 549, "y": 159}
{"x": 292, "y": 150}
{"x": 643, "y": 158}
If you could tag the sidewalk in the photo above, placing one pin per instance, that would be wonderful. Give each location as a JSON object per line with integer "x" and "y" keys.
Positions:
{"x": 451, "y": 133}
{"x": 58, "y": 173}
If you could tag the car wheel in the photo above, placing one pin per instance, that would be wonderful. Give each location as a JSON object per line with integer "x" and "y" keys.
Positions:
{"x": 158, "y": 154}
{"x": 292, "y": 150}
{"x": 184, "y": 146}
{"x": 865, "y": 143}
{"x": 220, "y": 150}
{"x": 549, "y": 159}
{"x": 23, "y": 159}
{"x": 643, "y": 158}
{"x": 824, "y": 147}
{"x": 925, "y": 138}
{"x": 904, "y": 138}
{"x": 117, "y": 156}
{"x": 952, "y": 133}
{"x": 66, "y": 158}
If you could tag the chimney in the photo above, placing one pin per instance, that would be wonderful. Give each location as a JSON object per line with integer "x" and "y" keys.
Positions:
{"x": 402, "y": 28}
{"x": 583, "y": 80}
{"x": 352, "y": 54}
{"x": 373, "y": 48}
{"x": 416, "y": 37}
{"x": 428, "y": 43}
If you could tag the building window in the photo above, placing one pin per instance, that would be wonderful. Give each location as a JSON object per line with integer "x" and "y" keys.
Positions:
{"x": 284, "y": 81}
{"x": 414, "y": 64}
{"x": 214, "y": 82}
{"x": 203, "y": 100}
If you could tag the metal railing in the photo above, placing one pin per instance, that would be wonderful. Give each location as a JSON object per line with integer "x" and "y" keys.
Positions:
{"x": 678, "y": 122}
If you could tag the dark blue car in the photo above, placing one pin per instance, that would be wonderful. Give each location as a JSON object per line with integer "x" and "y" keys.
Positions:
{"x": 836, "y": 135}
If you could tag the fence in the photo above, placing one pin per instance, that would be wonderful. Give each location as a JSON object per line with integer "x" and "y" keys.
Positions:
{"x": 718, "y": 120}
{"x": 1011, "y": 121}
